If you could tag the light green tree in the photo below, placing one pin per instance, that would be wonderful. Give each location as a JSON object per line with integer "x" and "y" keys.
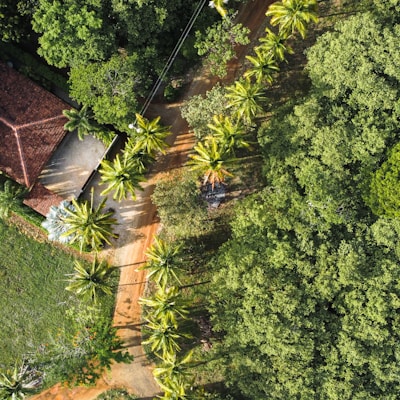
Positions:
{"x": 263, "y": 67}
{"x": 91, "y": 281}
{"x": 162, "y": 262}
{"x": 166, "y": 305}
{"x": 293, "y": 15}
{"x": 275, "y": 45}
{"x": 81, "y": 121}
{"x": 88, "y": 225}
{"x": 149, "y": 136}
{"x": 11, "y": 195}
{"x": 211, "y": 160}
{"x": 246, "y": 99}
{"x": 122, "y": 175}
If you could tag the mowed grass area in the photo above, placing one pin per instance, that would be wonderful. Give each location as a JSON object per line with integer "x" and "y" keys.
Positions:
{"x": 32, "y": 294}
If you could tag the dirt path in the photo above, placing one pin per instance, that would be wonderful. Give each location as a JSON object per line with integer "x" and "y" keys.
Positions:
{"x": 138, "y": 223}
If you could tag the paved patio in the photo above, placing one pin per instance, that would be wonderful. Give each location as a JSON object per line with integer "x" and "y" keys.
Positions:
{"x": 71, "y": 165}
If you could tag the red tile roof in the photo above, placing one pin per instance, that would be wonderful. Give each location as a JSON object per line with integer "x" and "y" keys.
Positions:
{"x": 31, "y": 126}
{"x": 41, "y": 199}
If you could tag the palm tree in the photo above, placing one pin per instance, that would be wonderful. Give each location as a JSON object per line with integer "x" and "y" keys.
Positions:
{"x": 219, "y": 6}
{"x": 245, "y": 98}
{"x": 137, "y": 155}
{"x": 275, "y": 45}
{"x": 81, "y": 121}
{"x": 22, "y": 380}
{"x": 122, "y": 176}
{"x": 55, "y": 224}
{"x": 163, "y": 339}
{"x": 230, "y": 135}
{"x": 91, "y": 281}
{"x": 11, "y": 196}
{"x": 150, "y": 135}
{"x": 89, "y": 226}
{"x": 263, "y": 68}
{"x": 166, "y": 305}
{"x": 174, "y": 376}
{"x": 293, "y": 15}
{"x": 161, "y": 262}
{"x": 210, "y": 160}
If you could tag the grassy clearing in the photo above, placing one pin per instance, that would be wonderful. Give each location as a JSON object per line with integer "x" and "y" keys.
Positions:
{"x": 33, "y": 295}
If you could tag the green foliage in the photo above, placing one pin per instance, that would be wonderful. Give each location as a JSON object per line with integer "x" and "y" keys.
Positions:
{"x": 82, "y": 357}
{"x": 14, "y": 20}
{"x": 81, "y": 121}
{"x": 263, "y": 67}
{"x": 72, "y": 32}
{"x": 182, "y": 211}
{"x": 122, "y": 176}
{"x": 199, "y": 110}
{"x": 22, "y": 380}
{"x": 162, "y": 262}
{"x": 116, "y": 394}
{"x": 33, "y": 296}
{"x": 384, "y": 190}
{"x": 11, "y": 196}
{"x": 110, "y": 88}
{"x": 90, "y": 282}
{"x": 217, "y": 44}
{"x": 88, "y": 225}
{"x": 305, "y": 296}
{"x": 293, "y": 15}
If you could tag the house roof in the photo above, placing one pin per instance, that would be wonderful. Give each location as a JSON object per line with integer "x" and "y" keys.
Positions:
{"x": 31, "y": 126}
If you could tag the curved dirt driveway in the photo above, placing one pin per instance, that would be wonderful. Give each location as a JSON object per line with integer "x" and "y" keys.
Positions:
{"x": 138, "y": 223}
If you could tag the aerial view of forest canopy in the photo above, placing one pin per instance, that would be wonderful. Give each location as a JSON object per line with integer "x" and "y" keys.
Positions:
{"x": 288, "y": 289}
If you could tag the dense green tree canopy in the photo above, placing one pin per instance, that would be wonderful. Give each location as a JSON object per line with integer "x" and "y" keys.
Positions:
{"x": 305, "y": 294}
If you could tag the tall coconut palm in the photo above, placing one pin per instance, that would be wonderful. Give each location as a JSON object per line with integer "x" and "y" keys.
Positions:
{"x": 211, "y": 160}
{"x": 163, "y": 339}
{"x": 275, "y": 45}
{"x": 174, "y": 375}
{"x": 11, "y": 196}
{"x": 88, "y": 225}
{"x": 18, "y": 382}
{"x": 122, "y": 176}
{"x": 162, "y": 262}
{"x": 150, "y": 136}
{"x": 166, "y": 305}
{"x": 89, "y": 282}
{"x": 263, "y": 68}
{"x": 246, "y": 99}
{"x": 231, "y": 135}
{"x": 293, "y": 15}
{"x": 81, "y": 121}
{"x": 219, "y": 6}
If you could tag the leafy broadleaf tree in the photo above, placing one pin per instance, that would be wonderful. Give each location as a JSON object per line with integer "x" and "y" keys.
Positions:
{"x": 162, "y": 262}
{"x": 88, "y": 225}
{"x": 263, "y": 67}
{"x": 73, "y": 32}
{"x": 91, "y": 281}
{"x": 19, "y": 382}
{"x": 122, "y": 176}
{"x": 293, "y": 15}
{"x": 246, "y": 99}
{"x": 217, "y": 44}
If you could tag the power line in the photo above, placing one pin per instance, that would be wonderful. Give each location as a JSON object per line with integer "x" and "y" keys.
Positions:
{"x": 172, "y": 56}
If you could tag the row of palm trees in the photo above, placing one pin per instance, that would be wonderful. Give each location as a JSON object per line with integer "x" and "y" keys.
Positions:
{"x": 164, "y": 312}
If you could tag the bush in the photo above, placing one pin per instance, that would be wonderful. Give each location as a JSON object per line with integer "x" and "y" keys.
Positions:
{"x": 116, "y": 394}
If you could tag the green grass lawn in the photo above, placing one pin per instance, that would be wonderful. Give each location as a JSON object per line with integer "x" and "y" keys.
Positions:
{"x": 32, "y": 293}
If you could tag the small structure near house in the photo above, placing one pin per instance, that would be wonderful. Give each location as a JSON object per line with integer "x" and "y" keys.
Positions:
{"x": 214, "y": 196}
{"x": 31, "y": 132}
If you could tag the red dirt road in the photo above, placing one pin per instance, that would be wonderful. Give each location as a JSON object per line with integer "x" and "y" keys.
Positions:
{"x": 138, "y": 223}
